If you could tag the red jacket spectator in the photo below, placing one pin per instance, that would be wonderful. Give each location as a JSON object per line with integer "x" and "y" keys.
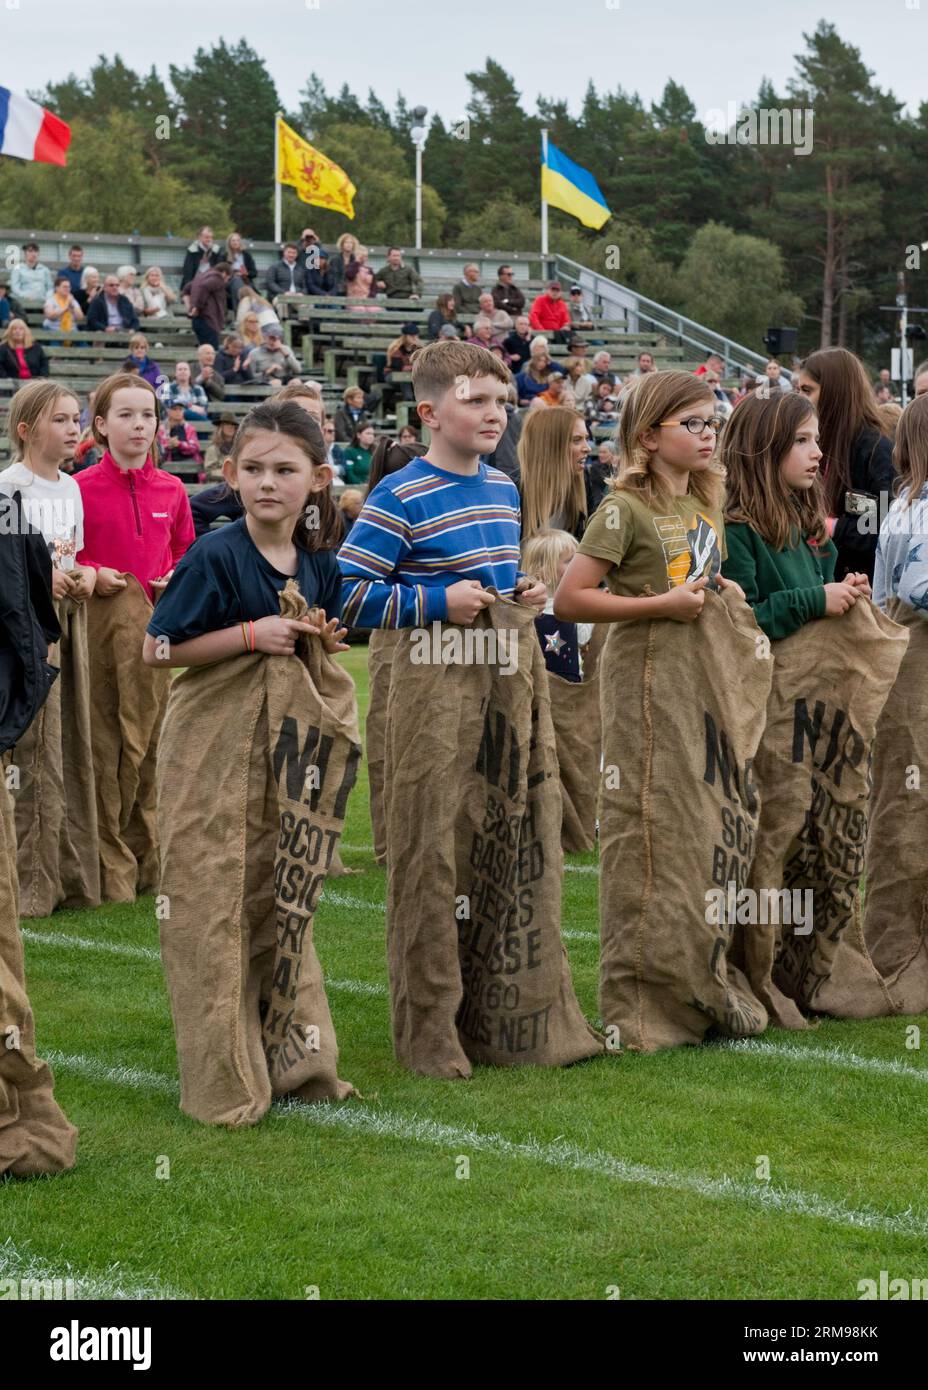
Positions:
{"x": 549, "y": 313}
{"x": 178, "y": 441}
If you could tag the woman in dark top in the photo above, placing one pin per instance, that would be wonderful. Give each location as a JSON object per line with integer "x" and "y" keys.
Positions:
{"x": 444, "y": 312}
{"x": 20, "y": 356}
{"x": 857, "y": 455}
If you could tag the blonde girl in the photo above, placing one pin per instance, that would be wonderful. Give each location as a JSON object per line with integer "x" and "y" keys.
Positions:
{"x": 156, "y": 296}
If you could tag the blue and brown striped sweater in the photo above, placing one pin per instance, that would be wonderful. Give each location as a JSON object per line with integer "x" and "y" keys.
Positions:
{"x": 421, "y": 530}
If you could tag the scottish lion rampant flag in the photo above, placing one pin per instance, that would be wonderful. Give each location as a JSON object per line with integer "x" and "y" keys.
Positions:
{"x": 28, "y": 131}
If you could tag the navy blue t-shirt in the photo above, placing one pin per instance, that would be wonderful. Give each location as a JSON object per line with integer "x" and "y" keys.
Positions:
{"x": 224, "y": 579}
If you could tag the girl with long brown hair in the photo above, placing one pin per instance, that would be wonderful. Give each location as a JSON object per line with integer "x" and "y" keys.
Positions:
{"x": 551, "y": 451}
{"x": 901, "y": 571}
{"x": 857, "y": 454}
{"x": 776, "y": 531}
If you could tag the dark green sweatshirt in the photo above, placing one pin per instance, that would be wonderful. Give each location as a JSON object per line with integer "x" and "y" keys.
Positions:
{"x": 786, "y": 588}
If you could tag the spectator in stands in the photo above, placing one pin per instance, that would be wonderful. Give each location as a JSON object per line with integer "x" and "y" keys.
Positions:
{"x": 286, "y": 276}
{"x": 723, "y": 404}
{"x": 580, "y": 316}
{"x": 646, "y": 364}
{"x": 713, "y": 363}
{"x": 208, "y": 299}
{"x": 208, "y": 376}
{"x": 444, "y": 312}
{"x": 74, "y": 269}
{"x": 884, "y": 379}
{"x": 397, "y": 280}
{"x": 252, "y": 303}
{"x": 775, "y": 379}
{"x": 30, "y": 280}
{"x": 345, "y": 249}
{"x": 182, "y": 391}
{"x": 558, "y": 392}
{"x": 177, "y": 440}
{"x": 110, "y": 311}
{"x": 350, "y": 503}
{"x": 21, "y": 357}
{"x": 599, "y": 472}
{"x": 87, "y": 451}
{"x": 274, "y": 362}
{"x": 518, "y": 343}
{"x": 128, "y": 287}
{"x": 884, "y": 394}
{"x": 402, "y": 350}
{"x": 408, "y": 435}
{"x": 91, "y": 286}
{"x": 506, "y": 295}
{"x": 308, "y": 240}
{"x": 252, "y": 336}
{"x": 532, "y": 380}
{"x": 242, "y": 265}
{"x": 6, "y": 308}
{"x": 350, "y": 415}
{"x": 232, "y": 362}
{"x": 549, "y": 314}
{"x": 602, "y": 405}
{"x": 361, "y": 288}
{"x": 602, "y": 370}
{"x": 62, "y": 311}
{"x": 467, "y": 291}
{"x": 316, "y": 271}
{"x": 358, "y": 455}
{"x": 334, "y": 453}
{"x": 578, "y": 369}
{"x": 361, "y": 255}
{"x": 139, "y": 360}
{"x": 497, "y": 320}
{"x": 219, "y": 446}
{"x": 201, "y": 256}
{"x": 481, "y": 335}
{"x": 155, "y": 294}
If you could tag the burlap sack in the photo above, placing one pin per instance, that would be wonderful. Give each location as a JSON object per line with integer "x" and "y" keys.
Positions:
{"x": 35, "y": 1135}
{"x": 380, "y": 651}
{"x": 478, "y": 972}
{"x": 682, "y": 709}
{"x": 896, "y": 904}
{"x": 578, "y": 740}
{"x": 256, "y": 760}
{"x": 128, "y": 705}
{"x": 830, "y": 682}
{"x": 56, "y": 809}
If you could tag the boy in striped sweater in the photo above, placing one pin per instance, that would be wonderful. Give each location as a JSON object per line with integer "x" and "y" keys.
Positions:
{"x": 431, "y": 538}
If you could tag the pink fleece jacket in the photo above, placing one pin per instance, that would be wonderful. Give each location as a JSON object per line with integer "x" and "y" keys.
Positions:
{"x": 136, "y": 520}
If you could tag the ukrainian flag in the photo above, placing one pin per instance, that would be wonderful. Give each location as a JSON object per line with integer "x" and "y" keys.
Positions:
{"x": 566, "y": 186}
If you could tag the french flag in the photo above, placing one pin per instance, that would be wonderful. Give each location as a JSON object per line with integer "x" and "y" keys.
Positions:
{"x": 28, "y": 131}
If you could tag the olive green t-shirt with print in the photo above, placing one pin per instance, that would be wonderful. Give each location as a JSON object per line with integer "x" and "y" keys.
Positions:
{"x": 657, "y": 549}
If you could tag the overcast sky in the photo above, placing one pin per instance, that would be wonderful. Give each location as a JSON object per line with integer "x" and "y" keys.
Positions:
{"x": 718, "y": 51}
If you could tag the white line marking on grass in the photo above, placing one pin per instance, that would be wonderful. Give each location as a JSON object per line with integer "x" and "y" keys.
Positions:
{"x": 346, "y": 900}
{"x": 119, "y": 948}
{"x": 559, "y": 1154}
{"x": 111, "y": 1284}
{"x": 840, "y": 1057}
{"x": 580, "y": 935}
{"x": 568, "y": 868}
{"x": 83, "y": 943}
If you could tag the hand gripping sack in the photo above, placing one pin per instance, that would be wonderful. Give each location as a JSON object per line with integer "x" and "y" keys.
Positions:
{"x": 256, "y": 760}
{"x": 478, "y": 972}
{"x": 896, "y": 905}
{"x": 578, "y": 740}
{"x": 683, "y": 709}
{"x": 56, "y": 809}
{"x": 129, "y": 699}
{"x": 380, "y": 651}
{"x": 35, "y": 1135}
{"x": 830, "y": 682}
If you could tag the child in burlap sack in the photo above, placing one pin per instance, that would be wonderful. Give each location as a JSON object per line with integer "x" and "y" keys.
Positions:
{"x": 35, "y": 1135}
{"x": 477, "y": 968}
{"x": 56, "y": 818}
{"x": 137, "y": 525}
{"x": 679, "y": 727}
{"x": 259, "y": 750}
{"x": 830, "y": 679}
{"x": 896, "y": 915}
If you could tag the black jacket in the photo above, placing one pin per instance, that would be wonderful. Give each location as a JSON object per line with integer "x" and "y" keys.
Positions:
{"x": 192, "y": 261}
{"x": 872, "y": 472}
{"x": 278, "y": 278}
{"x": 212, "y": 504}
{"x": 36, "y": 361}
{"x": 98, "y": 319}
{"x": 28, "y": 622}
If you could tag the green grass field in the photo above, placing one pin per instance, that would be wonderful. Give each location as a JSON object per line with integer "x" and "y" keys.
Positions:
{"x": 629, "y": 1173}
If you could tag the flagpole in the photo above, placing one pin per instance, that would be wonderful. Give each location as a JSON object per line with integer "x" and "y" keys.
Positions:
{"x": 278, "y": 229}
{"x": 544, "y": 203}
